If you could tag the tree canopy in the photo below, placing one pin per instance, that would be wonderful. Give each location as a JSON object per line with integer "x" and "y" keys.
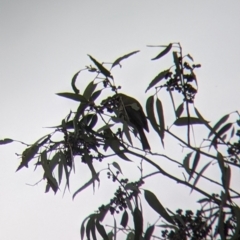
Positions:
{"x": 109, "y": 127}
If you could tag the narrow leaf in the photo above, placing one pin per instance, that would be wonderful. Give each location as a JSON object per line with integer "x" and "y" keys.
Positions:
{"x": 92, "y": 227}
{"x": 184, "y": 121}
{"x": 200, "y": 174}
{"x": 138, "y": 223}
{"x": 233, "y": 132}
{"x": 179, "y": 110}
{"x": 64, "y": 161}
{"x": 129, "y": 205}
{"x": 73, "y": 96}
{"x": 88, "y": 159}
{"x": 124, "y": 220}
{"x": 47, "y": 188}
{"x": 73, "y": 83}
{"x": 95, "y": 95}
{"x": 101, "y": 230}
{"x": 60, "y": 172}
{"x": 115, "y": 146}
{"x": 219, "y": 134}
{"x": 224, "y": 129}
{"x": 186, "y": 162}
{"x": 91, "y": 181}
{"x": 150, "y": 114}
{"x": 161, "y": 118}
{"x": 227, "y": 179}
{"x": 81, "y": 108}
{"x": 101, "y": 68}
{"x": 203, "y": 200}
{"x": 88, "y": 183}
{"x": 117, "y": 61}
{"x": 218, "y": 124}
{"x": 27, "y": 155}
{"x": 93, "y": 122}
{"x": 220, "y": 161}
{"x": 88, "y": 229}
{"x": 195, "y": 163}
{"x": 54, "y": 161}
{"x": 190, "y": 57}
{"x": 48, "y": 173}
{"x": 89, "y": 90}
{"x": 164, "y": 52}
{"x": 157, "y": 79}
{"x": 82, "y": 229}
{"x": 6, "y": 141}
{"x": 114, "y": 229}
{"x": 149, "y": 232}
{"x": 157, "y": 206}
{"x": 205, "y": 122}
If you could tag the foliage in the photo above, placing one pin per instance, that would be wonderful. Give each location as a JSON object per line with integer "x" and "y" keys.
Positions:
{"x": 102, "y": 129}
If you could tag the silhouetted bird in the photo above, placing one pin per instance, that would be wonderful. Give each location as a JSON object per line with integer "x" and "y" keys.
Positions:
{"x": 132, "y": 111}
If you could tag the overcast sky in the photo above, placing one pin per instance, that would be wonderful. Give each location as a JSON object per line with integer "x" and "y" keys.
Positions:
{"x": 43, "y": 43}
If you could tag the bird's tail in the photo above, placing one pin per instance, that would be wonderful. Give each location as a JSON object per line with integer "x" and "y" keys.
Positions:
{"x": 144, "y": 141}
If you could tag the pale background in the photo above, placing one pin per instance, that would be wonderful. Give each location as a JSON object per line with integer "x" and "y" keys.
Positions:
{"x": 43, "y": 43}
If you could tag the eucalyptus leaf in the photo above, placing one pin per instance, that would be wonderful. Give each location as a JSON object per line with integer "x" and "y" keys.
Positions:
{"x": 73, "y": 96}
{"x": 151, "y": 115}
{"x": 95, "y": 95}
{"x": 219, "y": 134}
{"x": 27, "y": 155}
{"x": 200, "y": 174}
{"x": 101, "y": 230}
{"x": 101, "y": 68}
{"x": 6, "y": 141}
{"x": 184, "y": 121}
{"x": 148, "y": 233}
{"x": 161, "y": 118}
{"x": 138, "y": 223}
{"x": 186, "y": 161}
{"x": 117, "y": 61}
{"x": 195, "y": 163}
{"x": 73, "y": 82}
{"x": 157, "y": 206}
{"x": 218, "y": 124}
{"x": 164, "y": 52}
{"x": 89, "y": 90}
{"x": 124, "y": 220}
{"x": 88, "y": 183}
{"x": 48, "y": 173}
{"x": 157, "y": 79}
{"x": 179, "y": 110}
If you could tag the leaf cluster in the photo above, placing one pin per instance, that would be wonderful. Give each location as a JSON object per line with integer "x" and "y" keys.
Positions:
{"x": 111, "y": 128}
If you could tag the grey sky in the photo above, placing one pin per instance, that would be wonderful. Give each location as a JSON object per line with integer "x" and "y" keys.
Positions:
{"x": 43, "y": 43}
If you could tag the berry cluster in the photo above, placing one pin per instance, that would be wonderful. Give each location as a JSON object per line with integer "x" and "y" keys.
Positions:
{"x": 234, "y": 148}
{"x": 189, "y": 226}
{"x": 125, "y": 192}
{"x": 182, "y": 80}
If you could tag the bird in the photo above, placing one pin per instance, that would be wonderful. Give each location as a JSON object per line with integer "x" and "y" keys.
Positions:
{"x": 132, "y": 111}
